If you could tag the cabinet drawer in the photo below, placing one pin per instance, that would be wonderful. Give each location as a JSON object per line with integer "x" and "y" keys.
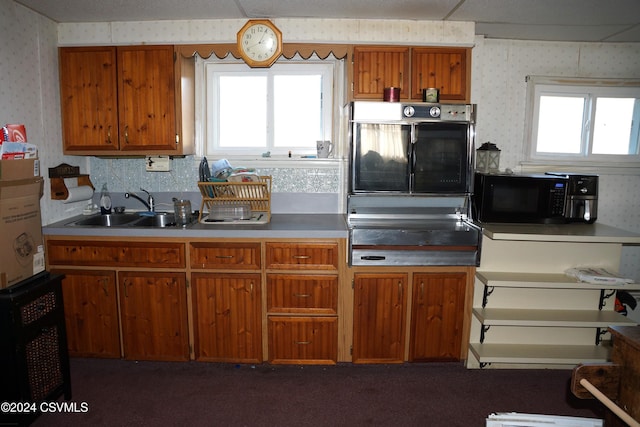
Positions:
{"x": 295, "y": 293}
{"x": 241, "y": 256}
{"x": 303, "y": 340}
{"x": 129, "y": 254}
{"x": 39, "y": 307}
{"x": 319, "y": 256}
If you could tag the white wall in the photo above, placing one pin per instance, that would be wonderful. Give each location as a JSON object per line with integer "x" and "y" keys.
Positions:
{"x": 499, "y": 89}
{"x": 29, "y": 91}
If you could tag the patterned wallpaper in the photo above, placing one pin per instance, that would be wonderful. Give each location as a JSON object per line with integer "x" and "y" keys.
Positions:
{"x": 29, "y": 92}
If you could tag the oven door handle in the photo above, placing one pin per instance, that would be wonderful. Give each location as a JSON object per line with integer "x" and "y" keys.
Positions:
{"x": 373, "y": 257}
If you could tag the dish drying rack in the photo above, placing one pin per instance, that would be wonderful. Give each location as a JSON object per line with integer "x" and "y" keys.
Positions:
{"x": 256, "y": 194}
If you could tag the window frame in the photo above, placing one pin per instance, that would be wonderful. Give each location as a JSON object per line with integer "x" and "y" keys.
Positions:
{"x": 328, "y": 67}
{"x": 590, "y": 89}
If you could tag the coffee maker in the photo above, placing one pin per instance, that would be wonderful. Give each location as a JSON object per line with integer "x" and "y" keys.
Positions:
{"x": 582, "y": 198}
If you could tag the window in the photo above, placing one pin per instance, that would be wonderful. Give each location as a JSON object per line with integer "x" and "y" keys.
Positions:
{"x": 281, "y": 109}
{"x": 582, "y": 121}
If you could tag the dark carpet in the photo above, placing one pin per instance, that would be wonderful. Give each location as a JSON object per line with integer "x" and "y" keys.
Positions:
{"x": 128, "y": 393}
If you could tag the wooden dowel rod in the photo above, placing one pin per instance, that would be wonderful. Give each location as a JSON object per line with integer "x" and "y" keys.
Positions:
{"x": 609, "y": 403}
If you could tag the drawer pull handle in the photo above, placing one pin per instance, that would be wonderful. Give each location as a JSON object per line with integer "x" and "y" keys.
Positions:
{"x": 224, "y": 256}
{"x": 301, "y": 257}
{"x": 302, "y": 295}
{"x": 303, "y": 342}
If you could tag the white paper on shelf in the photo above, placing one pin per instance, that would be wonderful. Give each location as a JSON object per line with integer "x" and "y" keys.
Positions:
{"x": 597, "y": 275}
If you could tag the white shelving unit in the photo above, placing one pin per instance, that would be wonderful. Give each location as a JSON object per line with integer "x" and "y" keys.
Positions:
{"x": 528, "y": 313}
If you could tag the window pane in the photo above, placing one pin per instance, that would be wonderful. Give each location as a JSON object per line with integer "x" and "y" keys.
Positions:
{"x": 560, "y": 124}
{"x": 613, "y": 124}
{"x": 242, "y": 101}
{"x": 297, "y": 110}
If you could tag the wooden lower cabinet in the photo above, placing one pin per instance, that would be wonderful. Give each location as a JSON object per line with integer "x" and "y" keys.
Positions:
{"x": 154, "y": 315}
{"x": 303, "y": 340}
{"x": 380, "y": 304}
{"x": 91, "y": 313}
{"x": 411, "y": 315}
{"x": 227, "y": 317}
{"x": 437, "y": 316}
{"x": 302, "y": 318}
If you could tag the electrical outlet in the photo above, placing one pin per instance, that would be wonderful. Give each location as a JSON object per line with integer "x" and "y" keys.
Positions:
{"x": 158, "y": 163}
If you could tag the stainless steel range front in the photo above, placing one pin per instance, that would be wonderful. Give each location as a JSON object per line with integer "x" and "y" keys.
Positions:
{"x": 410, "y": 185}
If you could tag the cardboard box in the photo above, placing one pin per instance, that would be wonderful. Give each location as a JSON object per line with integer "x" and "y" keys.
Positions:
{"x": 21, "y": 243}
{"x": 12, "y": 170}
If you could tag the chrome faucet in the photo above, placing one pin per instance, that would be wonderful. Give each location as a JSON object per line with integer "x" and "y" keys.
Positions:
{"x": 149, "y": 204}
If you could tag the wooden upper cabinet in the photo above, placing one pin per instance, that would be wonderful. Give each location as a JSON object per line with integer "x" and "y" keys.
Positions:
{"x": 446, "y": 69}
{"x": 124, "y": 100}
{"x": 146, "y": 96}
{"x": 376, "y": 67}
{"x": 88, "y": 96}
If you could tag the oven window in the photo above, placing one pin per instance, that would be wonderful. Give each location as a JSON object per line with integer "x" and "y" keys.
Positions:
{"x": 381, "y": 157}
{"x": 441, "y": 158}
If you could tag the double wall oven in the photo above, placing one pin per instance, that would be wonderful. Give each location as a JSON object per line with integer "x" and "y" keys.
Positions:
{"x": 410, "y": 181}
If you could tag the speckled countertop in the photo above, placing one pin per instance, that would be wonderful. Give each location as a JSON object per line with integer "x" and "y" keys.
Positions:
{"x": 281, "y": 226}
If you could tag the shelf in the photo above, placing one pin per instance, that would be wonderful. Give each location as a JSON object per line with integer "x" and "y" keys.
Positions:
{"x": 540, "y": 354}
{"x": 551, "y": 318}
{"x": 544, "y": 280}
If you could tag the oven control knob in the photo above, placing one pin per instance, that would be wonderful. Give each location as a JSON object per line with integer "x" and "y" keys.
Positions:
{"x": 434, "y": 112}
{"x": 409, "y": 111}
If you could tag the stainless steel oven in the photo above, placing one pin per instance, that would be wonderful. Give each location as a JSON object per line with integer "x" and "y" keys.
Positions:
{"x": 410, "y": 184}
{"x": 411, "y": 148}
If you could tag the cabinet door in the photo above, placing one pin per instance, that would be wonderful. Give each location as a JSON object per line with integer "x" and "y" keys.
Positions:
{"x": 146, "y": 92}
{"x": 88, "y": 96}
{"x": 437, "y": 316}
{"x": 154, "y": 315}
{"x": 227, "y": 317}
{"x": 379, "y": 317}
{"x": 446, "y": 69}
{"x": 91, "y": 313}
{"x": 375, "y": 68}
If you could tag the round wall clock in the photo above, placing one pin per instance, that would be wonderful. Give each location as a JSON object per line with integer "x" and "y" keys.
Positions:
{"x": 259, "y": 43}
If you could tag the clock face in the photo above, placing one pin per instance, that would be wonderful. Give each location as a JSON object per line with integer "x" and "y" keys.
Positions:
{"x": 259, "y": 44}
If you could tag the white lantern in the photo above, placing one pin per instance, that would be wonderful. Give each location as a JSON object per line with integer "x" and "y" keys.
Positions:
{"x": 488, "y": 158}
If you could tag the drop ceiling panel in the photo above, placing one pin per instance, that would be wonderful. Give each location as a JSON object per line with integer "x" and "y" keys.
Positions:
{"x": 351, "y": 9}
{"x": 559, "y": 20}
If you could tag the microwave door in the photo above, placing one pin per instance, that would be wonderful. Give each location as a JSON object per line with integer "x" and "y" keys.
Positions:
{"x": 381, "y": 157}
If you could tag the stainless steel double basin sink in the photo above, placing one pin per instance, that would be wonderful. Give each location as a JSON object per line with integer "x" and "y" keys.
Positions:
{"x": 138, "y": 219}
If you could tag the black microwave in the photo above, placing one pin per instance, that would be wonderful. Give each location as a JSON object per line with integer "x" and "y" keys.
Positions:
{"x": 520, "y": 198}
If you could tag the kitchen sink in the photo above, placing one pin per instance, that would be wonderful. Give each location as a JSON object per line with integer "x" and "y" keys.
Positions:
{"x": 137, "y": 219}
{"x": 161, "y": 219}
{"x": 108, "y": 220}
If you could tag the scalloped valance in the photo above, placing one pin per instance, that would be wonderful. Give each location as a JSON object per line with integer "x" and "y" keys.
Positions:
{"x": 289, "y": 50}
